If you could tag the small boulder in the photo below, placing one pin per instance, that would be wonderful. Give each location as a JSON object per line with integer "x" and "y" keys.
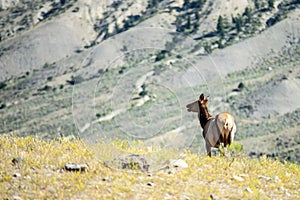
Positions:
{"x": 238, "y": 178}
{"x": 173, "y": 165}
{"x": 16, "y": 175}
{"x": 76, "y": 167}
{"x": 16, "y": 197}
{"x": 129, "y": 161}
{"x": 179, "y": 163}
{"x": 276, "y": 179}
{"x": 266, "y": 178}
{"x": 17, "y": 160}
{"x": 213, "y": 197}
{"x": 184, "y": 197}
{"x": 249, "y": 190}
{"x": 151, "y": 184}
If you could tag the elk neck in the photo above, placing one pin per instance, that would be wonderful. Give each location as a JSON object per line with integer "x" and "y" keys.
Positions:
{"x": 204, "y": 116}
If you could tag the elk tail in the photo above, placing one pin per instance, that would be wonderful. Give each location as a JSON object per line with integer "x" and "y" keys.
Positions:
{"x": 226, "y": 125}
{"x": 227, "y": 134}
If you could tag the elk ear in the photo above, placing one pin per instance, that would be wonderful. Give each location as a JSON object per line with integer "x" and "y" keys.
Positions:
{"x": 204, "y": 101}
{"x": 201, "y": 97}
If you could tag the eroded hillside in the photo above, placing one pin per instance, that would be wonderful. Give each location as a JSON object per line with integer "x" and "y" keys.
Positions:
{"x": 124, "y": 69}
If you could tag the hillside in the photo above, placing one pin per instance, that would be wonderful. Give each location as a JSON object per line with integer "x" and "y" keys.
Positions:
{"x": 32, "y": 168}
{"x": 126, "y": 70}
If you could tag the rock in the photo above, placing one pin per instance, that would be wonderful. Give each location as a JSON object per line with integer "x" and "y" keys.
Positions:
{"x": 265, "y": 178}
{"x": 151, "y": 184}
{"x": 16, "y": 175}
{"x": 249, "y": 190}
{"x": 27, "y": 177}
{"x": 287, "y": 193}
{"x": 238, "y": 178}
{"x": 184, "y": 197}
{"x": 16, "y": 197}
{"x": 17, "y": 160}
{"x": 51, "y": 189}
{"x": 107, "y": 179}
{"x": 76, "y": 167}
{"x": 281, "y": 188}
{"x": 168, "y": 196}
{"x": 213, "y": 197}
{"x": 276, "y": 179}
{"x": 129, "y": 161}
{"x": 173, "y": 165}
{"x": 179, "y": 163}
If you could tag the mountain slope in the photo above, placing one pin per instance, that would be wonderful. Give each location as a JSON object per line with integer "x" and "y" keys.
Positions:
{"x": 127, "y": 70}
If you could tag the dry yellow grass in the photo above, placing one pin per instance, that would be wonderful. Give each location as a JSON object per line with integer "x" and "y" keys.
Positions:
{"x": 38, "y": 173}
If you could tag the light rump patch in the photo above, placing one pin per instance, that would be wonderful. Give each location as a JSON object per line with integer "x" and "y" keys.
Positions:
{"x": 218, "y": 130}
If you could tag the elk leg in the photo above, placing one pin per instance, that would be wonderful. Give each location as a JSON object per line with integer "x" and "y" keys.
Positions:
{"x": 208, "y": 149}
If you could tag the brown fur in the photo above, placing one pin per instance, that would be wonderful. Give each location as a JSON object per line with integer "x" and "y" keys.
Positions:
{"x": 216, "y": 130}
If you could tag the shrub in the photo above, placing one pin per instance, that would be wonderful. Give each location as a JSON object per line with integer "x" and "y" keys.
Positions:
{"x": 241, "y": 86}
{"x": 75, "y": 80}
{"x": 2, "y": 85}
{"x": 3, "y": 105}
{"x": 161, "y": 55}
{"x": 236, "y": 147}
{"x": 207, "y": 48}
{"x": 143, "y": 93}
{"x": 45, "y": 88}
{"x": 220, "y": 26}
{"x": 122, "y": 70}
{"x": 271, "y": 4}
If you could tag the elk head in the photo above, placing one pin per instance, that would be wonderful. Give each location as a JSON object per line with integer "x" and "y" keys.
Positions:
{"x": 198, "y": 105}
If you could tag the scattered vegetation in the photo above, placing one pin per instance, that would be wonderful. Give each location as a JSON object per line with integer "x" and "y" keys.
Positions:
{"x": 45, "y": 88}
{"x": 228, "y": 31}
{"x": 21, "y": 15}
{"x": 75, "y": 80}
{"x": 104, "y": 113}
{"x": 2, "y": 85}
{"x": 102, "y": 26}
{"x": 32, "y": 168}
{"x": 188, "y": 20}
{"x": 161, "y": 55}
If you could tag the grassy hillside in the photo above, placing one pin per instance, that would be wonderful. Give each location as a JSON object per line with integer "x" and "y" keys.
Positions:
{"x": 126, "y": 70}
{"x": 31, "y": 168}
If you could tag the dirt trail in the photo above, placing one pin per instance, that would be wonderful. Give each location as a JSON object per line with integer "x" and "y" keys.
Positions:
{"x": 139, "y": 102}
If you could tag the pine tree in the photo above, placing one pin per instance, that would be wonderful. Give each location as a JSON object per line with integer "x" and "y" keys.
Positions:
{"x": 188, "y": 24}
{"x": 220, "y": 26}
{"x": 117, "y": 28}
{"x": 271, "y": 4}
{"x": 186, "y": 4}
{"x": 238, "y": 23}
{"x": 197, "y": 16}
{"x": 247, "y": 13}
{"x": 256, "y": 4}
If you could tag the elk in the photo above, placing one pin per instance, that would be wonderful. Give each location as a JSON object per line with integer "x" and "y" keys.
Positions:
{"x": 218, "y": 130}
